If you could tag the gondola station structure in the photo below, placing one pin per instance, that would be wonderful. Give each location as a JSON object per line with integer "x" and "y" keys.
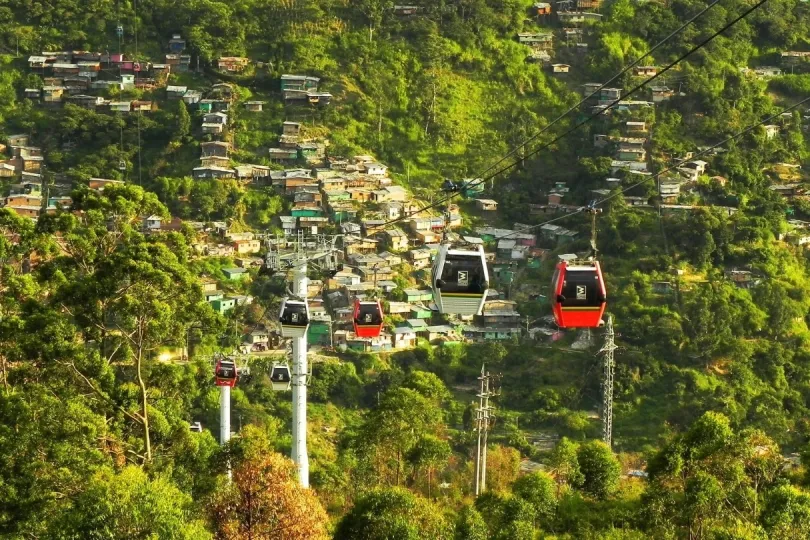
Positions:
{"x": 368, "y": 318}
{"x": 579, "y": 294}
{"x": 294, "y": 319}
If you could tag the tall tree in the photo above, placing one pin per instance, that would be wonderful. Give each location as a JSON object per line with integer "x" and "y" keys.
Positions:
{"x": 565, "y": 465}
{"x": 470, "y": 525}
{"x": 129, "y": 505}
{"x": 129, "y": 294}
{"x": 600, "y": 469}
{"x": 429, "y": 453}
{"x": 710, "y": 479}
{"x": 388, "y": 513}
{"x": 265, "y": 500}
{"x": 183, "y": 121}
{"x": 392, "y": 429}
{"x": 537, "y": 489}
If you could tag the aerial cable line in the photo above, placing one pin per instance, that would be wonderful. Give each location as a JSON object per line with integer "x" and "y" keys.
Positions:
{"x": 713, "y": 147}
{"x": 545, "y": 128}
{"x": 599, "y": 89}
{"x": 588, "y": 119}
{"x": 632, "y": 91}
{"x": 668, "y": 169}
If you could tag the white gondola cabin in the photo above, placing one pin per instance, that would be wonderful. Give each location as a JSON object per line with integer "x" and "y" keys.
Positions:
{"x": 294, "y": 318}
{"x": 225, "y": 373}
{"x": 280, "y": 377}
{"x": 460, "y": 280}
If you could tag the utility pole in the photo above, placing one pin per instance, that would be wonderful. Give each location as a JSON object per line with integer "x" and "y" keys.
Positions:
{"x": 478, "y": 429}
{"x": 484, "y": 420}
{"x": 607, "y": 383}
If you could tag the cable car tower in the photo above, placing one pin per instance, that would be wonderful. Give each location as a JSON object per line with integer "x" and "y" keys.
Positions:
{"x": 286, "y": 254}
{"x": 609, "y": 366}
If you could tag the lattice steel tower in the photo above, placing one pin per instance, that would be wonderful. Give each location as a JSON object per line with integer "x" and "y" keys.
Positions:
{"x": 607, "y": 382}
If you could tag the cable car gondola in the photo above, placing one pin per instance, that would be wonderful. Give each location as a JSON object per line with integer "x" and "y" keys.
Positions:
{"x": 225, "y": 373}
{"x": 368, "y": 319}
{"x": 578, "y": 294}
{"x": 280, "y": 377}
{"x": 460, "y": 280}
{"x": 294, "y": 318}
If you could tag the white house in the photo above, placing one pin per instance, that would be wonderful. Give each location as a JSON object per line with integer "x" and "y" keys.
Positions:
{"x": 152, "y": 223}
{"x": 215, "y": 118}
{"x": 670, "y": 191}
{"x": 120, "y": 106}
{"x": 212, "y": 127}
{"x": 403, "y": 338}
{"x": 618, "y": 165}
{"x": 488, "y": 205}
{"x": 376, "y": 169}
{"x": 258, "y": 336}
{"x": 698, "y": 165}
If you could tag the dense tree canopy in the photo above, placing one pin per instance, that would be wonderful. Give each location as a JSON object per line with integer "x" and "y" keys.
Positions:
{"x": 709, "y": 296}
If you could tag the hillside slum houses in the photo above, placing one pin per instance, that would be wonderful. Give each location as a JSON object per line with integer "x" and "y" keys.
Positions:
{"x": 77, "y": 76}
{"x": 303, "y": 89}
{"x": 83, "y": 78}
{"x": 355, "y": 196}
{"x": 21, "y": 167}
{"x": 331, "y": 195}
{"x": 683, "y": 184}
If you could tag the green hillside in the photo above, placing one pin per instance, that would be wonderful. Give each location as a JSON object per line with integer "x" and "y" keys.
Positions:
{"x": 108, "y": 327}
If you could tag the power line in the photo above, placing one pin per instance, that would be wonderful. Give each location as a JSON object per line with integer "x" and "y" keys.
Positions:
{"x": 588, "y": 119}
{"x": 599, "y": 89}
{"x": 710, "y": 148}
{"x": 668, "y": 169}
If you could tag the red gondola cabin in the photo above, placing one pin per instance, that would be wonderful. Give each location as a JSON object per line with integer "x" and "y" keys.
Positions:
{"x": 225, "y": 374}
{"x": 368, "y": 319}
{"x": 578, "y": 294}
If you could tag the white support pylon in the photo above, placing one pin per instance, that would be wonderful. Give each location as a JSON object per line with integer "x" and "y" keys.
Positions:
{"x": 299, "y": 387}
{"x": 225, "y": 419}
{"x": 224, "y": 414}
